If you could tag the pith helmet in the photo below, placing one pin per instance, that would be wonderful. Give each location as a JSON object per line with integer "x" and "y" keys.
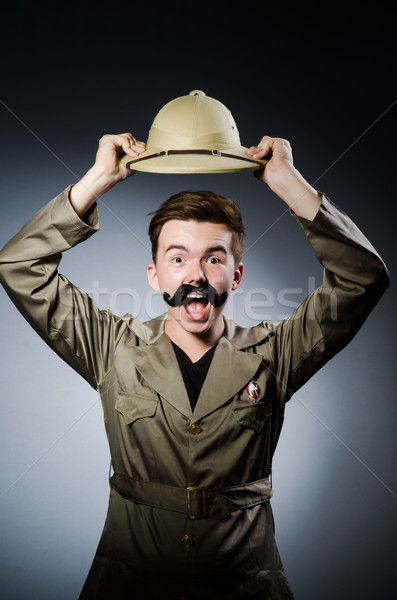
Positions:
{"x": 193, "y": 134}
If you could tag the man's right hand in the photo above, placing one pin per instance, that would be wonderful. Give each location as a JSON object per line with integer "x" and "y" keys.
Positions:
{"x": 111, "y": 148}
{"x": 106, "y": 171}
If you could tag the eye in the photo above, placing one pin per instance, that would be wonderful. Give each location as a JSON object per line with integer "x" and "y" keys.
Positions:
{"x": 177, "y": 259}
{"x": 214, "y": 260}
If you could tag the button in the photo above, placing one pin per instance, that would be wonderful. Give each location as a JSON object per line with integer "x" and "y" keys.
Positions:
{"x": 194, "y": 429}
{"x": 187, "y": 540}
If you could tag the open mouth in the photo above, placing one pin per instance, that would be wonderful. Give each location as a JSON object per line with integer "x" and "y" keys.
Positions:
{"x": 195, "y": 304}
{"x": 201, "y": 295}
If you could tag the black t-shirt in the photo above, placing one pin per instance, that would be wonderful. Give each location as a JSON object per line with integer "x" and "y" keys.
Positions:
{"x": 193, "y": 373}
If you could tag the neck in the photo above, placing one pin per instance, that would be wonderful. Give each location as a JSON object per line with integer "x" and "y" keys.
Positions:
{"x": 195, "y": 345}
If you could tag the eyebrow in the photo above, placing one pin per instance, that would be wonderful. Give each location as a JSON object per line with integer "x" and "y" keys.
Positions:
{"x": 211, "y": 250}
{"x": 216, "y": 249}
{"x": 176, "y": 247}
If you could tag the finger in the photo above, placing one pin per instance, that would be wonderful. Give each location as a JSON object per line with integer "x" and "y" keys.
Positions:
{"x": 281, "y": 142}
{"x": 282, "y": 148}
{"x": 117, "y": 140}
{"x": 135, "y": 149}
{"x": 258, "y": 151}
{"x": 139, "y": 147}
{"x": 254, "y": 150}
{"x": 131, "y": 146}
{"x": 263, "y": 148}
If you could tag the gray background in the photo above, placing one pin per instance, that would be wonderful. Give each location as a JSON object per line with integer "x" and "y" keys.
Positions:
{"x": 327, "y": 83}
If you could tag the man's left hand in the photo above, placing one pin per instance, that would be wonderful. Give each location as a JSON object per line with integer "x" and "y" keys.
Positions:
{"x": 278, "y": 153}
{"x": 283, "y": 178}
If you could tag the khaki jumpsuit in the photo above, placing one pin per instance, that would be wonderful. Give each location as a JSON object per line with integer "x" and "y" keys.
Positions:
{"x": 189, "y": 513}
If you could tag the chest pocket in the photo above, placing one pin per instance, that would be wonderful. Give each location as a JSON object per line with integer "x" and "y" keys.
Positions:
{"x": 252, "y": 415}
{"x": 136, "y": 406}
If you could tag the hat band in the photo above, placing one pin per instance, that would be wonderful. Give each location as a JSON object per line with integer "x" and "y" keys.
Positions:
{"x": 208, "y": 152}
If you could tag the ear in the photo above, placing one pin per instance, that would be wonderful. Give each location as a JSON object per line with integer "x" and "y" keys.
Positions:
{"x": 152, "y": 277}
{"x": 238, "y": 274}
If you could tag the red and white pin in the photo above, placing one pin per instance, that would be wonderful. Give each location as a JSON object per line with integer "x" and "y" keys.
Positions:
{"x": 253, "y": 390}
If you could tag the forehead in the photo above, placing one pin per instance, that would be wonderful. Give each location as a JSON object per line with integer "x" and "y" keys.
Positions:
{"x": 194, "y": 234}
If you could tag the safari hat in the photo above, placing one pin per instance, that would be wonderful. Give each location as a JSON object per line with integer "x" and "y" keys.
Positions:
{"x": 193, "y": 134}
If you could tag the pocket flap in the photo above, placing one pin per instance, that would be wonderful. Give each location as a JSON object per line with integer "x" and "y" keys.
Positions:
{"x": 252, "y": 415}
{"x": 136, "y": 406}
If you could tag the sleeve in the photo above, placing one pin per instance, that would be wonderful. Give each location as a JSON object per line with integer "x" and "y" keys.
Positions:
{"x": 65, "y": 317}
{"x": 354, "y": 279}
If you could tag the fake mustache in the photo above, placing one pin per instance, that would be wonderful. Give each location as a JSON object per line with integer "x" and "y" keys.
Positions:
{"x": 206, "y": 288}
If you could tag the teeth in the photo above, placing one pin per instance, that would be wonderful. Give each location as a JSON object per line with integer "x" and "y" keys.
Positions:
{"x": 195, "y": 296}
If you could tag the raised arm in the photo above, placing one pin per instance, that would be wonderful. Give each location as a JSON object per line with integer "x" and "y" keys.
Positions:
{"x": 284, "y": 179}
{"x": 63, "y": 315}
{"x": 106, "y": 172}
{"x": 354, "y": 276}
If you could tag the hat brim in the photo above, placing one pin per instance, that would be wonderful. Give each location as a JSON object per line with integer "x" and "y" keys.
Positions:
{"x": 193, "y": 161}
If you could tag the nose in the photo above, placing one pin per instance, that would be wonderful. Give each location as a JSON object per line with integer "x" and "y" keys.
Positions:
{"x": 196, "y": 273}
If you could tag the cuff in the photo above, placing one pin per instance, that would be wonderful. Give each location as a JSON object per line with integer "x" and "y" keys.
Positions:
{"x": 323, "y": 209}
{"x": 68, "y": 223}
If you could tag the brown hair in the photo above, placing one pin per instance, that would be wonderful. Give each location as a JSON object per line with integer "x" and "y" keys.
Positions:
{"x": 204, "y": 206}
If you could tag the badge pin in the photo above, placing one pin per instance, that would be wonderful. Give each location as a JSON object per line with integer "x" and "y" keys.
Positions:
{"x": 253, "y": 390}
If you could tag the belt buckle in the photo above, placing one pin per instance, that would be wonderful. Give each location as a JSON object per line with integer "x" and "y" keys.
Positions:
{"x": 203, "y": 490}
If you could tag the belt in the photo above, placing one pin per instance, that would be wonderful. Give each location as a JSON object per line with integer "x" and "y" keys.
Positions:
{"x": 194, "y": 501}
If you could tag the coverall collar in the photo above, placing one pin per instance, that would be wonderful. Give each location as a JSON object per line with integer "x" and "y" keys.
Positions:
{"x": 157, "y": 363}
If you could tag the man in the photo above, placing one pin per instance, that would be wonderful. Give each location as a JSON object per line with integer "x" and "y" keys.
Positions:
{"x": 193, "y": 403}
